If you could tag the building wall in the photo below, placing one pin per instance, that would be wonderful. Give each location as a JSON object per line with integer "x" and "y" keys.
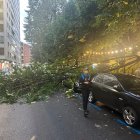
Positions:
{"x": 1, "y": 29}
{"x": 26, "y": 54}
{"x": 10, "y": 31}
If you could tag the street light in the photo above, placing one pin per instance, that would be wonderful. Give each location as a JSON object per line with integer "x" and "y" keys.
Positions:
{"x": 87, "y": 52}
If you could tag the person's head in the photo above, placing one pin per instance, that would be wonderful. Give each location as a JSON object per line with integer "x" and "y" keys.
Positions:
{"x": 85, "y": 71}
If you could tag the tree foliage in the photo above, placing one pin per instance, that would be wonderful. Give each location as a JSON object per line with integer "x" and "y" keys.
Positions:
{"x": 59, "y": 28}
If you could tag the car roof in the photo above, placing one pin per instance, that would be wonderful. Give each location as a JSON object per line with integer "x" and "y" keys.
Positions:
{"x": 120, "y": 75}
{"x": 125, "y": 75}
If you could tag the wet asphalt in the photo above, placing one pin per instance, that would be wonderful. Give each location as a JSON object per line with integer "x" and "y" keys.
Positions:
{"x": 62, "y": 119}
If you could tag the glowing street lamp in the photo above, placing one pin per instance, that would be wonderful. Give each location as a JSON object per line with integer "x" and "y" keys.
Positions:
{"x": 87, "y": 52}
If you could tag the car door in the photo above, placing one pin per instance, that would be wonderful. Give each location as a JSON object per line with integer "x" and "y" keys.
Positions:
{"x": 98, "y": 87}
{"x": 113, "y": 92}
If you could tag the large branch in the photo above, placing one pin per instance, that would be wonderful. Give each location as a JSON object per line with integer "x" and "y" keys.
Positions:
{"x": 127, "y": 64}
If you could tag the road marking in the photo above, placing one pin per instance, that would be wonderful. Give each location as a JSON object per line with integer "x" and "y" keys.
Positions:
{"x": 95, "y": 106}
{"x": 134, "y": 130}
{"x": 33, "y": 138}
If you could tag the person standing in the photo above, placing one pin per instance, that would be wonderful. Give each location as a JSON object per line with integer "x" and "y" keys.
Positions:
{"x": 85, "y": 88}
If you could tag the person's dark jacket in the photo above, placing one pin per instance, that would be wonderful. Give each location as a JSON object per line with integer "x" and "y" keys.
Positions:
{"x": 85, "y": 78}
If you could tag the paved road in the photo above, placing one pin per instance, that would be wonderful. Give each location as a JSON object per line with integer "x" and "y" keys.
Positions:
{"x": 60, "y": 119}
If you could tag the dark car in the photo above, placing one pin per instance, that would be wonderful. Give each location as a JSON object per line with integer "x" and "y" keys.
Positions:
{"x": 120, "y": 92}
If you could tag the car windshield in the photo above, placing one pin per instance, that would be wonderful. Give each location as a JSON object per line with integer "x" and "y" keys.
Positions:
{"x": 130, "y": 82}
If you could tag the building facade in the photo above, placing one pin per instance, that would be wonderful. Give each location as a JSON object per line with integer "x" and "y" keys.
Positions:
{"x": 26, "y": 54}
{"x": 10, "y": 31}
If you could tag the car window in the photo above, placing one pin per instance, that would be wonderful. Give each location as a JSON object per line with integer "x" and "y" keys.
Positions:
{"x": 98, "y": 78}
{"x": 110, "y": 80}
{"x": 130, "y": 82}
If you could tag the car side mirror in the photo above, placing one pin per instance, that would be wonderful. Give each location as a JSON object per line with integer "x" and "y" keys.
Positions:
{"x": 117, "y": 87}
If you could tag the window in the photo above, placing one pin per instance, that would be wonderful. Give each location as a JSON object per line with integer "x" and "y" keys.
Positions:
{"x": 98, "y": 78}
{"x": 12, "y": 23}
{"x": 12, "y": 16}
{"x": 1, "y": 39}
{"x": 1, "y": 16}
{"x": 1, "y": 51}
{"x": 8, "y": 44}
{"x": 130, "y": 82}
{"x": 110, "y": 80}
{"x": 8, "y": 34}
{"x": 1, "y": 4}
{"x": 8, "y": 54}
{"x": 1, "y": 28}
{"x": 13, "y": 33}
{"x": 15, "y": 57}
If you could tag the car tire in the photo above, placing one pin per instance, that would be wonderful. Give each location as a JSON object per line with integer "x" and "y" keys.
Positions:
{"x": 130, "y": 116}
{"x": 91, "y": 98}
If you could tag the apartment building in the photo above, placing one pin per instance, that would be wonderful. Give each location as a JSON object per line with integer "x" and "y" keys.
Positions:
{"x": 26, "y": 54}
{"x": 10, "y": 32}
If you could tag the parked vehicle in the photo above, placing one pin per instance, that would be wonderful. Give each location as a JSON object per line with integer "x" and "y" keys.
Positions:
{"x": 120, "y": 92}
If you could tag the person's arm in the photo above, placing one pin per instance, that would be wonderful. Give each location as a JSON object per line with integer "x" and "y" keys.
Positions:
{"x": 81, "y": 80}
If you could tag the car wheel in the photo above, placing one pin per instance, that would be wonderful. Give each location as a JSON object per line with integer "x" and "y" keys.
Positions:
{"x": 91, "y": 98}
{"x": 130, "y": 116}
